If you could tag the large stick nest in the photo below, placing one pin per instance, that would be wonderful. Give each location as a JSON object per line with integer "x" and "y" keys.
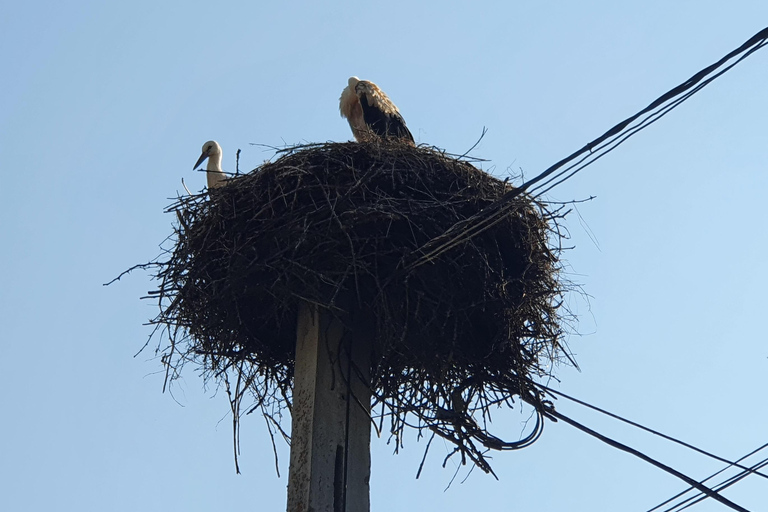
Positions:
{"x": 334, "y": 225}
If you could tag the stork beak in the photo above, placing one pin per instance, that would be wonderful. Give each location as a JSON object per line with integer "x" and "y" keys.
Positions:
{"x": 200, "y": 160}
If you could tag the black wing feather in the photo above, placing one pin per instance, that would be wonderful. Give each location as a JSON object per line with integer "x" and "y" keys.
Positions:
{"x": 398, "y": 129}
{"x": 383, "y": 124}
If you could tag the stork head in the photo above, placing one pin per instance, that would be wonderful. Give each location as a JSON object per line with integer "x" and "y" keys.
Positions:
{"x": 210, "y": 149}
{"x": 364, "y": 87}
{"x": 348, "y": 101}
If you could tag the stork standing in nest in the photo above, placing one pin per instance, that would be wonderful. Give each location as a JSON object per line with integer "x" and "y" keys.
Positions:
{"x": 213, "y": 171}
{"x": 371, "y": 113}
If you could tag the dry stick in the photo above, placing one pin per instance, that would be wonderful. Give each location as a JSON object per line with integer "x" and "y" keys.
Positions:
{"x": 424, "y": 458}
{"x": 274, "y": 447}
{"x": 491, "y": 215}
{"x": 234, "y": 404}
{"x": 141, "y": 266}
{"x": 615, "y": 444}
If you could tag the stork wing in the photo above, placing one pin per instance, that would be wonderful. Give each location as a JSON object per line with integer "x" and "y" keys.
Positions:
{"x": 384, "y": 123}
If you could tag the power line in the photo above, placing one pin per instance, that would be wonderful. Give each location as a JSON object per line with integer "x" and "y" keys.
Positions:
{"x": 724, "y": 485}
{"x": 729, "y": 482}
{"x": 650, "y": 430}
{"x": 702, "y": 495}
{"x": 711, "y": 493}
{"x": 613, "y": 141}
{"x": 468, "y": 228}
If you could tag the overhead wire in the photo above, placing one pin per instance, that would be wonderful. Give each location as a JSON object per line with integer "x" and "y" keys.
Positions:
{"x": 649, "y": 430}
{"x": 696, "y": 498}
{"x": 724, "y": 485}
{"x": 718, "y": 487}
{"x": 563, "y": 170}
{"x": 709, "y": 492}
{"x": 620, "y": 138}
{"x": 468, "y": 228}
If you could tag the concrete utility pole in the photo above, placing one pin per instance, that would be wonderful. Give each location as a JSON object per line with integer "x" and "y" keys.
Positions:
{"x": 331, "y": 427}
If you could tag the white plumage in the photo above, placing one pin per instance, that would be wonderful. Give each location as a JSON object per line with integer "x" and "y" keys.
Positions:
{"x": 214, "y": 173}
{"x": 371, "y": 113}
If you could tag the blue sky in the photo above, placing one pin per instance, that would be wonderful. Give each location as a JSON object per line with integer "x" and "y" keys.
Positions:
{"x": 104, "y": 108}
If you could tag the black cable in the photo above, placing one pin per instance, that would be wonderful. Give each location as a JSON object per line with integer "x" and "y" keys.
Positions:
{"x": 494, "y": 213}
{"x": 647, "y": 429}
{"x": 728, "y": 483}
{"x": 751, "y": 45}
{"x": 746, "y": 471}
{"x": 623, "y": 136}
{"x": 725, "y": 484}
{"x": 615, "y": 444}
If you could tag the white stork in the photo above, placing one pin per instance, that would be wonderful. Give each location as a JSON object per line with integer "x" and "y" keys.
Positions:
{"x": 371, "y": 113}
{"x": 212, "y": 151}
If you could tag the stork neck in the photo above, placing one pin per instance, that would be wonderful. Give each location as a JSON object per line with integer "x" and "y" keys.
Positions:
{"x": 214, "y": 163}
{"x": 215, "y": 175}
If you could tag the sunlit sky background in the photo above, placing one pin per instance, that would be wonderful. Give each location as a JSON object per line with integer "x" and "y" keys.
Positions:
{"x": 103, "y": 110}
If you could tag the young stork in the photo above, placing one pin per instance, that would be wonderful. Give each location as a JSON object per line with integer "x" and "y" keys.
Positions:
{"x": 212, "y": 151}
{"x": 371, "y": 113}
